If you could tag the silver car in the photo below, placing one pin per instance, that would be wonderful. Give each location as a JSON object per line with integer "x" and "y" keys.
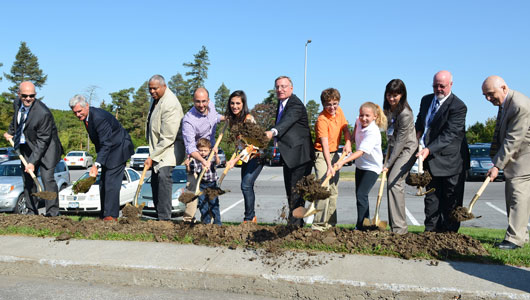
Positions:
{"x": 12, "y": 187}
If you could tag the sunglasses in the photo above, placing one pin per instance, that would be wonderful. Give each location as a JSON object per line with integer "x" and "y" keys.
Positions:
{"x": 27, "y": 96}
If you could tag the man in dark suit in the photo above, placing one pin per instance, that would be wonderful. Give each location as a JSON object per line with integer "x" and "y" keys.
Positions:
{"x": 441, "y": 129}
{"x": 293, "y": 137}
{"x": 113, "y": 146}
{"x": 35, "y": 135}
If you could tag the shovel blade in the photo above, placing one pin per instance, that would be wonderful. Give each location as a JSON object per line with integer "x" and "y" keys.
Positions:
{"x": 367, "y": 222}
{"x": 299, "y": 212}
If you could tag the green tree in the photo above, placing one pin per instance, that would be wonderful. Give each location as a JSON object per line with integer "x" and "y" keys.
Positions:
{"x": 199, "y": 69}
{"x": 25, "y": 68}
{"x": 137, "y": 114}
{"x": 108, "y": 107}
{"x": 481, "y": 132}
{"x": 313, "y": 110}
{"x": 181, "y": 89}
{"x": 1, "y": 64}
{"x": 221, "y": 98}
{"x": 6, "y": 115}
{"x": 120, "y": 104}
{"x": 271, "y": 98}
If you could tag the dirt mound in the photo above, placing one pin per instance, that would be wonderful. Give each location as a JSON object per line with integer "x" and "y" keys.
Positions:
{"x": 252, "y": 133}
{"x": 461, "y": 214}
{"x": 274, "y": 240}
{"x": 132, "y": 212}
{"x": 310, "y": 189}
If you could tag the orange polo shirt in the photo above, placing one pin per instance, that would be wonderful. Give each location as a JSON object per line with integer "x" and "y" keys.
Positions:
{"x": 331, "y": 127}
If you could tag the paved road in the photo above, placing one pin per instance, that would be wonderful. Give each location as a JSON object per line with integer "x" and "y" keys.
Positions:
{"x": 270, "y": 198}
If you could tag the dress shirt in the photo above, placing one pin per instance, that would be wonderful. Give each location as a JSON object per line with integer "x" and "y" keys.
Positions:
{"x": 433, "y": 103}
{"x": 196, "y": 126}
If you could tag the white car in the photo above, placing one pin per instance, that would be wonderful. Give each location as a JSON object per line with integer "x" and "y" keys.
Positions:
{"x": 139, "y": 157}
{"x": 78, "y": 159}
{"x": 89, "y": 202}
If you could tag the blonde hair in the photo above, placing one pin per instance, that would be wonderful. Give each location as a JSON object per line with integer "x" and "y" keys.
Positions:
{"x": 380, "y": 117}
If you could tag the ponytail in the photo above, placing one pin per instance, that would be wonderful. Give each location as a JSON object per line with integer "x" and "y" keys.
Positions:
{"x": 380, "y": 117}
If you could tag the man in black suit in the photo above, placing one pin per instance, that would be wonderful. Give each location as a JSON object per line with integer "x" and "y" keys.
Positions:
{"x": 113, "y": 146}
{"x": 441, "y": 129}
{"x": 293, "y": 137}
{"x": 35, "y": 135}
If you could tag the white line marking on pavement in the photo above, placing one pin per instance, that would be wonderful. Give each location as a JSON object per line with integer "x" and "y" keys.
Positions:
{"x": 232, "y": 206}
{"x": 411, "y": 217}
{"x": 499, "y": 210}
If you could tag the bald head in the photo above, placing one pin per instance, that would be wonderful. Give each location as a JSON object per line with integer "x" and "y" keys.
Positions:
{"x": 442, "y": 83}
{"x": 26, "y": 93}
{"x": 495, "y": 90}
{"x": 201, "y": 100}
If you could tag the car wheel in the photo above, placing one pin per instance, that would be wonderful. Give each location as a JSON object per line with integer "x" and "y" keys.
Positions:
{"x": 20, "y": 206}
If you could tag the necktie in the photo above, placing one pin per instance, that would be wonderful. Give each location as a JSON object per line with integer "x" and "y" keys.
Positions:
{"x": 495, "y": 143}
{"x": 280, "y": 113}
{"x": 18, "y": 132}
{"x": 433, "y": 111}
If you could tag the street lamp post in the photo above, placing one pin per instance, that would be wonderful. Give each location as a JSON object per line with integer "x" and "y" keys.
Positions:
{"x": 305, "y": 68}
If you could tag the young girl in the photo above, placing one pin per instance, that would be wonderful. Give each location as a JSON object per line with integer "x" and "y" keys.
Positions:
{"x": 368, "y": 156}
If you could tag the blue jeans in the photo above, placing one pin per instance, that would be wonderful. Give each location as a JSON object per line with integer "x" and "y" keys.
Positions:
{"x": 364, "y": 181}
{"x": 209, "y": 208}
{"x": 249, "y": 174}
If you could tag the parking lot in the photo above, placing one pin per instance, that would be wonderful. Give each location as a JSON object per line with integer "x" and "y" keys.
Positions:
{"x": 270, "y": 199}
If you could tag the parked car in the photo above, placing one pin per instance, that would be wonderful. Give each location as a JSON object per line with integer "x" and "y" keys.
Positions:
{"x": 79, "y": 159}
{"x": 179, "y": 185}
{"x": 480, "y": 162}
{"x": 339, "y": 152}
{"x": 222, "y": 158}
{"x": 272, "y": 156}
{"x": 139, "y": 157}
{"x": 89, "y": 201}
{"x": 12, "y": 187}
{"x": 7, "y": 153}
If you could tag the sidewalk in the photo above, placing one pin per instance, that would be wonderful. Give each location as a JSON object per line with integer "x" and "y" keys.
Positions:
{"x": 292, "y": 275}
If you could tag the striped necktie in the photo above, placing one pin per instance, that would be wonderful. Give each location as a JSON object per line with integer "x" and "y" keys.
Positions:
{"x": 433, "y": 111}
{"x": 495, "y": 143}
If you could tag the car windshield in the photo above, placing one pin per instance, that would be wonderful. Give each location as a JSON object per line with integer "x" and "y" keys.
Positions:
{"x": 10, "y": 170}
{"x": 75, "y": 154}
{"x": 142, "y": 150}
{"x": 3, "y": 151}
{"x": 479, "y": 151}
{"x": 179, "y": 176}
{"x": 86, "y": 176}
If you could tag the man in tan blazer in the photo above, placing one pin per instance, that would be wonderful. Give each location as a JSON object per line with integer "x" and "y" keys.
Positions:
{"x": 163, "y": 123}
{"x": 510, "y": 150}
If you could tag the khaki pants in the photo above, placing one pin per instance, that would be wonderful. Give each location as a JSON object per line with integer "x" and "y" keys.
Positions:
{"x": 518, "y": 209}
{"x": 191, "y": 207}
{"x": 320, "y": 170}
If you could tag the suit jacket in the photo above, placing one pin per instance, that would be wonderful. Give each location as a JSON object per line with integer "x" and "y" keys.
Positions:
{"x": 294, "y": 135}
{"x": 514, "y": 136}
{"x": 163, "y": 128}
{"x": 113, "y": 143}
{"x": 40, "y": 133}
{"x": 446, "y": 136}
{"x": 403, "y": 141}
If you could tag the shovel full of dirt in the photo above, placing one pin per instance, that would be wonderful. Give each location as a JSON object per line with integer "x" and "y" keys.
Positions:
{"x": 41, "y": 193}
{"x": 464, "y": 214}
{"x": 311, "y": 190}
{"x": 137, "y": 208}
{"x": 250, "y": 133}
{"x": 421, "y": 179}
{"x": 188, "y": 196}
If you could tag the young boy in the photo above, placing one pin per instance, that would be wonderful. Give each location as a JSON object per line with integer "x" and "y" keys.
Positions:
{"x": 330, "y": 125}
{"x": 209, "y": 208}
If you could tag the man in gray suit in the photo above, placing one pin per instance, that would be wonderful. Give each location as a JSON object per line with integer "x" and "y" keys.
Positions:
{"x": 163, "y": 126}
{"x": 510, "y": 150}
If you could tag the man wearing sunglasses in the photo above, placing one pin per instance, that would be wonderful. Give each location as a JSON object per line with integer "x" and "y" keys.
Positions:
{"x": 35, "y": 136}
{"x": 441, "y": 130}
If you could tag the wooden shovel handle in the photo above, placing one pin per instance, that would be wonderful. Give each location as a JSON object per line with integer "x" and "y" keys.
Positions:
{"x": 326, "y": 180}
{"x": 25, "y": 163}
{"x": 219, "y": 138}
{"x": 479, "y": 193}
{"x": 226, "y": 169}
{"x": 420, "y": 160}
{"x": 139, "y": 188}
{"x": 381, "y": 189}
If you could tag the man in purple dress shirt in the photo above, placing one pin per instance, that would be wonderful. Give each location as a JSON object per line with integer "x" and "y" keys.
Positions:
{"x": 199, "y": 122}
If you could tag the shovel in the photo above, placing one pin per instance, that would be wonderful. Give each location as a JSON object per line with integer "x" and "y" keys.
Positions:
{"x": 187, "y": 197}
{"x": 138, "y": 189}
{"x": 40, "y": 194}
{"x": 376, "y": 221}
{"x": 464, "y": 214}
{"x": 420, "y": 191}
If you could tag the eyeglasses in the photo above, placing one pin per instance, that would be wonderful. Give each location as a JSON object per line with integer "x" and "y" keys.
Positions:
{"x": 439, "y": 85}
{"x": 27, "y": 96}
{"x": 283, "y": 87}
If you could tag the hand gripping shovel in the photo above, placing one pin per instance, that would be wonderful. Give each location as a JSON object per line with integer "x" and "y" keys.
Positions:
{"x": 41, "y": 193}
{"x": 464, "y": 214}
{"x": 376, "y": 222}
{"x": 187, "y": 197}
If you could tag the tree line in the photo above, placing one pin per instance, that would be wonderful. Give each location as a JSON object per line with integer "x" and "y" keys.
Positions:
{"x": 131, "y": 105}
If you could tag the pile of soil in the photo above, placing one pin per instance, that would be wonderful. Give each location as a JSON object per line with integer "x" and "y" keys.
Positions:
{"x": 416, "y": 179}
{"x": 461, "y": 214}
{"x": 273, "y": 240}
{"x": 310, "y": 189}
{"x": 251, "y": 132}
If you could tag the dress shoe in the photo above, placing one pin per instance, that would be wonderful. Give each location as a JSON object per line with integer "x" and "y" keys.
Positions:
{"x": 254, "y": 221}
{"x": 109, "y": 218}
{"x": 507, "y": 245}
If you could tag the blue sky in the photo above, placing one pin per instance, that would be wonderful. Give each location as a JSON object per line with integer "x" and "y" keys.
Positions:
{"x": 358, "y": 46}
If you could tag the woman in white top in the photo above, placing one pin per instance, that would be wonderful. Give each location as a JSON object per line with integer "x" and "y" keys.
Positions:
{"x": 368, "y": 156}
